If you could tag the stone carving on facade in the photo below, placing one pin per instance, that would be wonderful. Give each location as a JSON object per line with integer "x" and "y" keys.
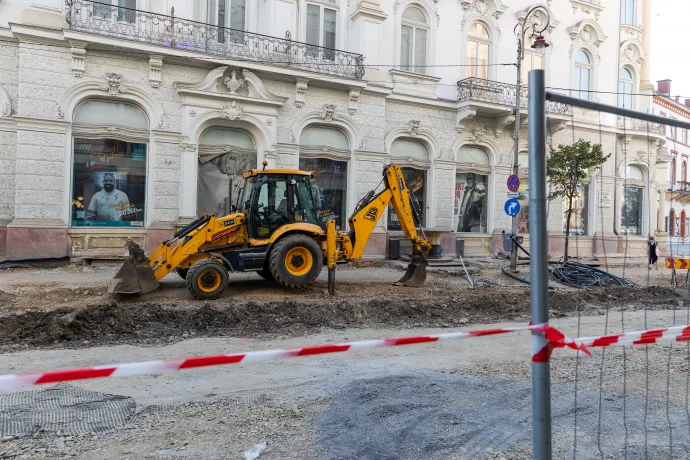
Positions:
{"x": 186, "y": 147}
{"x": 353, "y": 101}
{"x": 300, "y": 92}
{"x": 269, "y": 121}
{"x": 60, "y": 112}
{"x": 463, "y": 116}
{"x": 5, "y": 103}
{"x": 486, "y": 8}
{"x": 192, "y": 113}
{"x": 231, "y": 111}
{"x": 293, "y": 139}
{"x": 538, "y": 18}
{"x": 361, "y": 143}
{"x": 413, "y": 128}
{"x": 113, "y": 84}
{"x": 232, "y": 83}
{"x": 438, "y": 16}
{"x": 328, "y": 113}
{"x": 501, "y": 122}
{"x": 588, "y": 7}
{"x": 78, "y": 60}
{"x": 586, "y": 32}
{"x": 155, "y": 70}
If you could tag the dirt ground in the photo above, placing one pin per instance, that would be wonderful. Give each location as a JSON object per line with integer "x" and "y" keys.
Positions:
{"x": 458, "y": 400}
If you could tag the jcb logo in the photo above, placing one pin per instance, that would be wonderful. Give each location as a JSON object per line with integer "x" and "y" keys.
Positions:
{"x": 372, "y": 214}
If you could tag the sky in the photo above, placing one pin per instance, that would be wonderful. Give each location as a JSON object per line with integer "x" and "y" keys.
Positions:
{"x": 671, "y": 44}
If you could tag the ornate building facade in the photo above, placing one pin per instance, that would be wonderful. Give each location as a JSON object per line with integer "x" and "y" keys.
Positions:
{"x": 126, "y": 119}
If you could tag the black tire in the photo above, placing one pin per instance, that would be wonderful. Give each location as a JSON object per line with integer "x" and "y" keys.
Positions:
{"x": 207, "y": 279}
{"x": 182, "y": 272}
{"x": 265, "y": 273}
{"x": 303, "y": 269}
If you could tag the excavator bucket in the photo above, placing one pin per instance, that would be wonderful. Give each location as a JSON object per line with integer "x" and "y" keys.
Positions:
{"x": 415, "y": 275}
{"x": 135, "y": 276}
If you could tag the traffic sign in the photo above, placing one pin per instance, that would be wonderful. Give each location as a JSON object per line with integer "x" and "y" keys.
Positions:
{"x": 682, "y": 264}
{"x": 513, "y": 194}
{"x": 513, "y": 183}
{"x": 512, "y": 207}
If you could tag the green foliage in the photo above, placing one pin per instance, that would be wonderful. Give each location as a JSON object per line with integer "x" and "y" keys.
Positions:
{"x": 567, "y": 168}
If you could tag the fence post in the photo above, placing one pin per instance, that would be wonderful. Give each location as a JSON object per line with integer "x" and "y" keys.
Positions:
{"x": 539, "y": 275}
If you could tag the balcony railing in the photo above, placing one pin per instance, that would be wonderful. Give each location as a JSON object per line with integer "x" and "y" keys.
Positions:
{"x": 168, "y": 31}
{"x": 478, "y": 89}
{"x": 633, "y": 124}
{"x": 680, "y": 186}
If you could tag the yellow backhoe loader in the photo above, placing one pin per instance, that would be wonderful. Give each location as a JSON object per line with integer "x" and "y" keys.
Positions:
{"x": 275, "y": 230}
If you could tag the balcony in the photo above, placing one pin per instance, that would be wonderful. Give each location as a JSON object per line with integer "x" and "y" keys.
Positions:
{"x": 183, "y": 34}
{"x": 500, "y": 94}
{"x": 679, "y": 192}
{"x": 641, "y": 126}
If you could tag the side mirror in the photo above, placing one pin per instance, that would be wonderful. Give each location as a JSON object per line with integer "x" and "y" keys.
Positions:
{"x": 233, "y": 208}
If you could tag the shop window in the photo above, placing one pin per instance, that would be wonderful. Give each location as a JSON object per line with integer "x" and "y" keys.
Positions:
{"x": 223, "y": 154}
{"x": 470, "y": 202}
{"x": 329, "y": 187}
{"x": 329, "y": 184}
{"x": 578, "y": 217}
{"x": 412, "y": 152}
{"x": 109, "y": 174}
{"x": 109, "y": 183}
{"x": 631, "y": 219}
{"x": 471, "y": 187}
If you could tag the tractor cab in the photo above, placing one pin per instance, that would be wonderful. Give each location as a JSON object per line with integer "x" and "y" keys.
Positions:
{"x": 275, "y": 197}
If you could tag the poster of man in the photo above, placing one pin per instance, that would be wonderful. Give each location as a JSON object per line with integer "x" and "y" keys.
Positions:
{"x": 110, "y": 204}
{"x": 470, "y": 202}
{"x": 109, "y": 183}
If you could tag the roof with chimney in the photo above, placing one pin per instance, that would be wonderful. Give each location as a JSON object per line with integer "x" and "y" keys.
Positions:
{"x": 662, "y": 97}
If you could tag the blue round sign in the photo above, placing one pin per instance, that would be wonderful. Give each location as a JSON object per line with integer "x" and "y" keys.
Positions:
{"x": 512, "y": 207}
{"x": 513, "y": 183}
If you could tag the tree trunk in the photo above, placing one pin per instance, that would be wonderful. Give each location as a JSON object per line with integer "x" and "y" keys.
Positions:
{"x": 567, "y": 228}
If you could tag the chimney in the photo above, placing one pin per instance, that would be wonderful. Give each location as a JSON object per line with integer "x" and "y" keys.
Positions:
{"x": 664, "y": 87}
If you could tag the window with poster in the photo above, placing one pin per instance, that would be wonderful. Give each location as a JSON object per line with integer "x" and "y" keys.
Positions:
{"x": 471, "y": 190}
{"x": 109, "y": 165}
{"x": 633, "y": 197}
{"x": 413, "y": 158}
{"x": 578, "y": 216}
{"x": 223, "y": 154}
{"x": 325, "y": 151}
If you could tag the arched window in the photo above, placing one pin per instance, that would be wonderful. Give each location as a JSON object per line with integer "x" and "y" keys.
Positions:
{"x": 471, "y": 190}
{"x": 223, "y": 154}
{"x": 325, "y": 151}
{"x": 631, "y": 212}
{"x": 109, "y": 168}
{"x": 410, "y": 151}
{"x": 582, "y": 76}
{"x": 478, "y": 48}
{"x": 683, "y": 234}
{"x": 628, "y": 12}
{"x": 413, "y": 40}
{"x": 533, "y": 60}
{"x": 672, "y": 222}
{"x": 625, "y": 88}
{"x": 684, "y": 174}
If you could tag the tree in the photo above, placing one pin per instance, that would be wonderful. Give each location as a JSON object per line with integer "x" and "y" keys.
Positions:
{"x": 566, "y": 169}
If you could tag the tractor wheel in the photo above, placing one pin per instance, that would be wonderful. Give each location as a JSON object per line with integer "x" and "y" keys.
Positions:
{"x": 207, "y": 279}
{"x": 295, "y": 261}
{"x": 182, "y": 272}
{"x": 265, "y": 273}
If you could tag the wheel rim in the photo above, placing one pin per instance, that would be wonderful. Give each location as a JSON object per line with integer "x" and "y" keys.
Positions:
{"x": 298, "y": 261}
{"x": 209, "y": 281}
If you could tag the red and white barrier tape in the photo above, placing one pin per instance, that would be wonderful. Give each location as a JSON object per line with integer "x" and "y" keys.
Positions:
{"x": 12, "y": 381}
{"x": 651, "y": 336}
{"x": 554, "y": 339}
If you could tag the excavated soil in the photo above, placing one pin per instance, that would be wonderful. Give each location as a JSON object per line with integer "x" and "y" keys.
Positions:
{"x": 155, "y": 323}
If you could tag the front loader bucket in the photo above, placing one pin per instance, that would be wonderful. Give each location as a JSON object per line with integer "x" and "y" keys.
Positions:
{"x": 415, "y": 275}
{"x": 135, "y": 276}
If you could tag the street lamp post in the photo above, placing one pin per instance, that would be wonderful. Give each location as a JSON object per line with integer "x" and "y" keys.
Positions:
{"x": 521, "y": 30}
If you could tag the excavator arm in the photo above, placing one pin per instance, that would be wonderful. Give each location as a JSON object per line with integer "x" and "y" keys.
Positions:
{"x": 350, "y": 246}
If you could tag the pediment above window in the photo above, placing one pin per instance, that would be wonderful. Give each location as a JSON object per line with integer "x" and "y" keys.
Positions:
{"x": 231, "y": 84}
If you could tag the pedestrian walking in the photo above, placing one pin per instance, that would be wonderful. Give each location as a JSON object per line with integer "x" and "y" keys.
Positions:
{"x": 653, "y": 253}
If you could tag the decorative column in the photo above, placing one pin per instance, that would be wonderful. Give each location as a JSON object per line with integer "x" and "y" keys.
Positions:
{"x": 645, "y": 83}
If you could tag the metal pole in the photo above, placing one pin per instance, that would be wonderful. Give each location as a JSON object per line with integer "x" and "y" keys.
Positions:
{"x": 539, "y": 275}
{"x": 513, "y": 247}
